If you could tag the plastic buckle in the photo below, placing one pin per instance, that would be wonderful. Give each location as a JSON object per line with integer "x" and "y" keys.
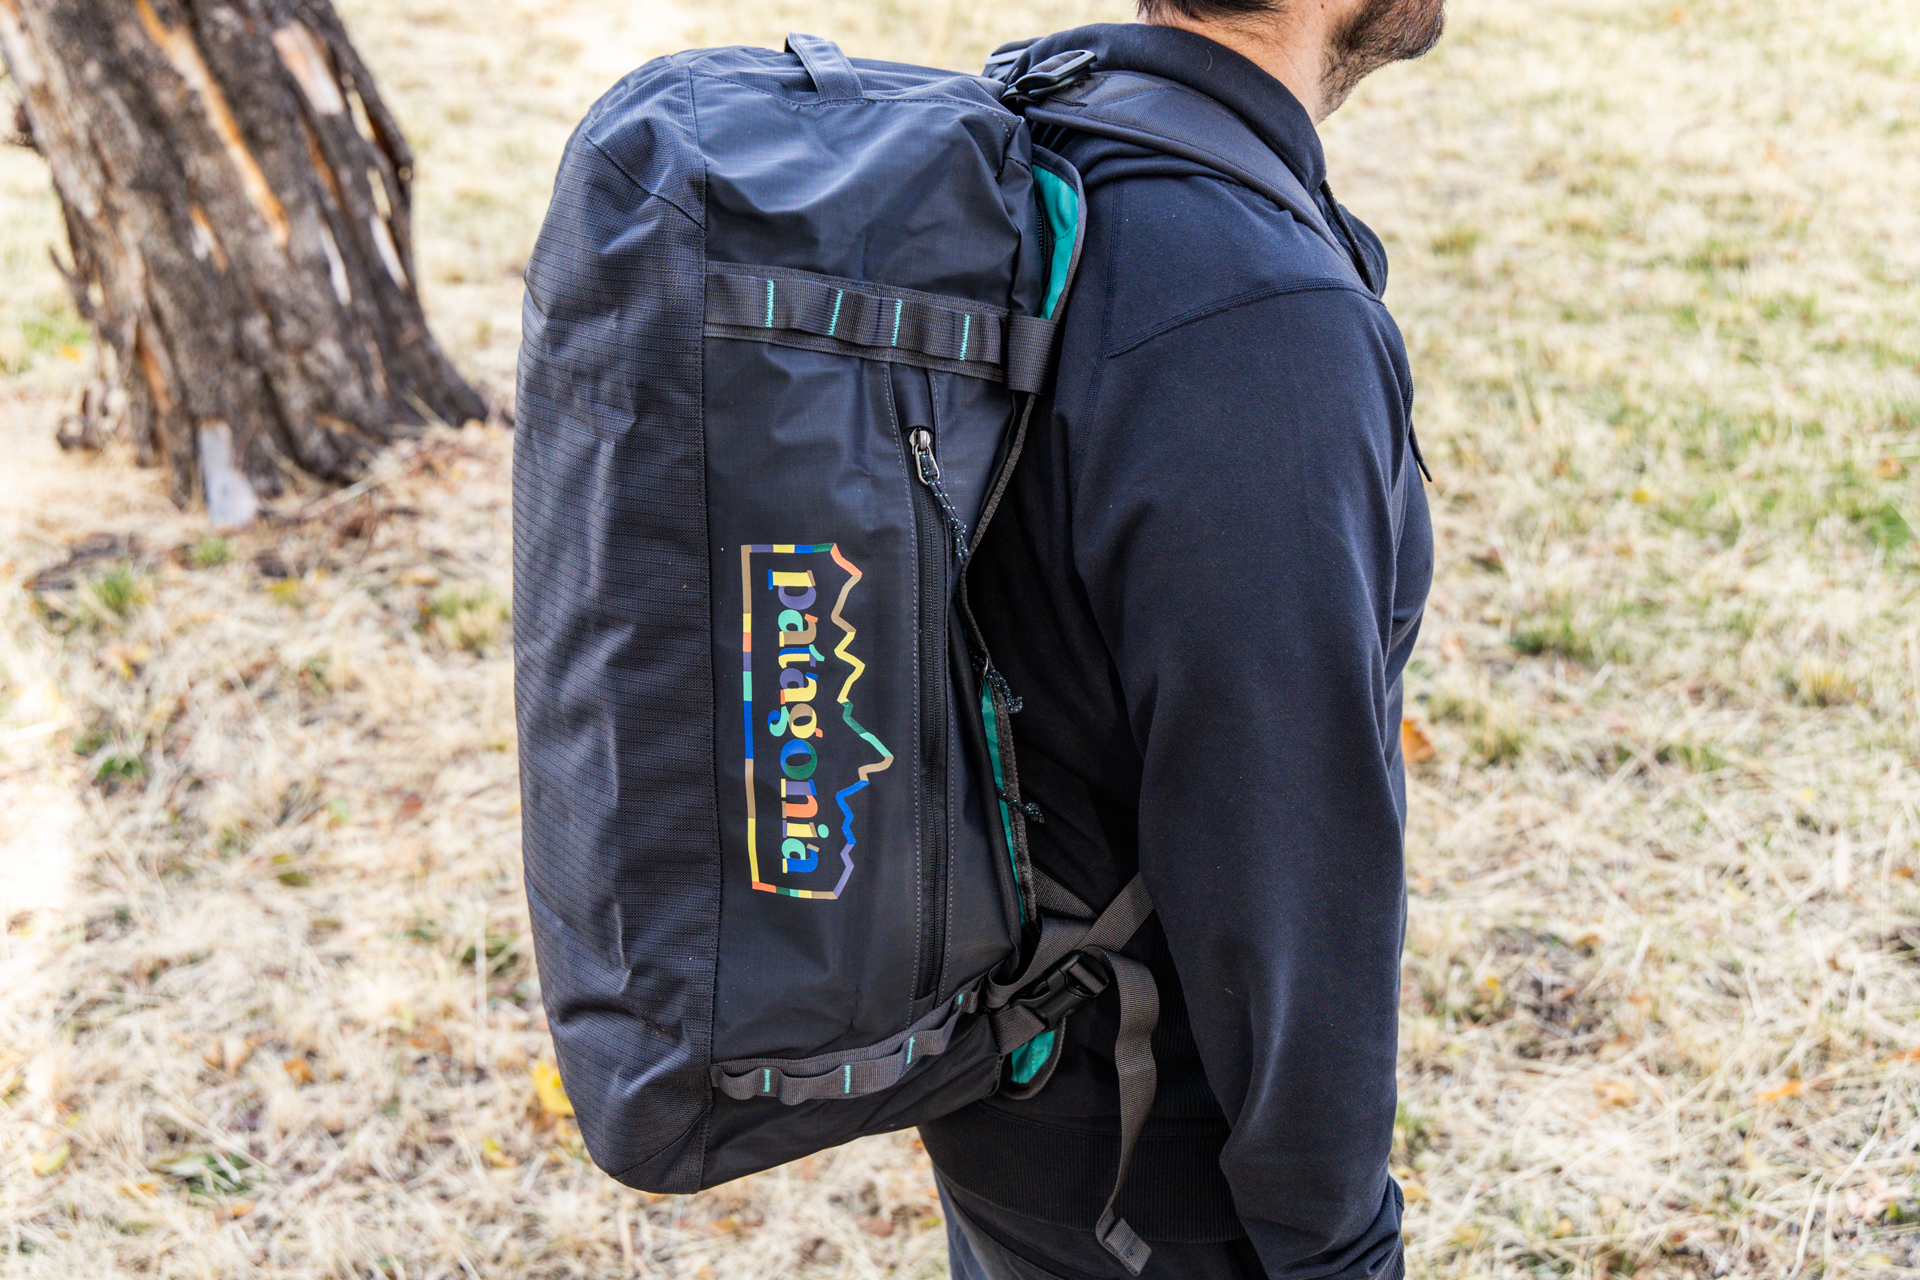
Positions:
{"x": 1061, "y": 71}
{"x": 1076, "y": 980}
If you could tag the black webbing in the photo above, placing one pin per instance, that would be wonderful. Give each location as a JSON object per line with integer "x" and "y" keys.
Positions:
{"x": 832, "y": 73}
{"x": 851, "y": 1073}
{"x": 823, "y": 313}
{"x": 1013, "y": 1025}
{"x": 1029, "y": 353}
{"x": 1138, "y": 1078}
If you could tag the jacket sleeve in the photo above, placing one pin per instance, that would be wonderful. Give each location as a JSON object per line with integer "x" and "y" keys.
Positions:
{"x": 1236, "y": 519}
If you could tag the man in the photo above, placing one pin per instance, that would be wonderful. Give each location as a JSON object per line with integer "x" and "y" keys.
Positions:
{"x": 1204, "y": 582}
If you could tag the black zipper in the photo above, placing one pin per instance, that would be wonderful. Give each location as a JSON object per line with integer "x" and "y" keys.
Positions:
{"x": 1046, "y": 245}
{"x": 930, "y": 533}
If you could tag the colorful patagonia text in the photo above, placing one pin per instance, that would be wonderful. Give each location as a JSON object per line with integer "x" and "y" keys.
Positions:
{"x": 793, "y": 722}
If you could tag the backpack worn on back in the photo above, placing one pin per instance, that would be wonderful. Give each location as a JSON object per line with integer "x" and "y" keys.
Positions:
{"x": 783, "y": 328}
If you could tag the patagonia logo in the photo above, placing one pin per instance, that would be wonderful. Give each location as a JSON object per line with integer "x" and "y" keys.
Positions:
{"x": 810, "y": 761}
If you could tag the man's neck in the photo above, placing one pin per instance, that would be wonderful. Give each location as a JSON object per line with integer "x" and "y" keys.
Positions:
{"x": 1291, "y": 49}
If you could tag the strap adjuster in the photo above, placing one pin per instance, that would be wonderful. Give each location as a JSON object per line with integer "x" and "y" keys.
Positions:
{"x": 1075, "y": 980}
{"x": 1061, "y": 71}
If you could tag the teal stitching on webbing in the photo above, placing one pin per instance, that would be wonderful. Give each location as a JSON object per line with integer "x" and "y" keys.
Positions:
{"x": 909, "y": 1050}
{"x": 834, "y": 323}
{"x": 769, "y": 304}
{"x": 966, "y": 333}
{"x": 897, "y": 304}
{"x": 847, "y": 1075}
{"x": 766, "y": 1079}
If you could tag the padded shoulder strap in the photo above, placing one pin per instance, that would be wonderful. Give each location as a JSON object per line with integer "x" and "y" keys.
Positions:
{"x": 1167, "y": 117}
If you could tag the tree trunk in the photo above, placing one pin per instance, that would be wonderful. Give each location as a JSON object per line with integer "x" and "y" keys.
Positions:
{"x": 237, "y": 203}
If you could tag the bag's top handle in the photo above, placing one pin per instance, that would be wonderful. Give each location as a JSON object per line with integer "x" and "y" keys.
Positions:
{"x": 833, "y": 75}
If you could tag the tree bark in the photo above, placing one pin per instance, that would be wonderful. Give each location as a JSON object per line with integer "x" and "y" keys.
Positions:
{"x": 237, "y": 202}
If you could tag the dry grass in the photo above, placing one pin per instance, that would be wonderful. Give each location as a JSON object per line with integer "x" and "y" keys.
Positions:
{"x": 269, "y": 1008}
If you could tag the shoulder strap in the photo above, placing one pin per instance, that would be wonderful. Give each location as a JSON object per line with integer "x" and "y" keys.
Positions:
{"x": 1167, "y": 117}
{"x": 1058, "y": 969}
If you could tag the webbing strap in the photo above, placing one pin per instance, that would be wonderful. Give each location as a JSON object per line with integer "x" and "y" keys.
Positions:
{"x": 1029, "y": 353}
{"x": 832, "y": 72}
{"x": 1138, "y": 1078}
{"x": 1057, "y": 898}
{"x": 799, "y": 308}
{"x": 851, "y": 1073}
{"x": 1013, "y": 1025}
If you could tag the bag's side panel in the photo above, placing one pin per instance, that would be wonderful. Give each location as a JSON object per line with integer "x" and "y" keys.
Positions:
{"x": 840, "y": 802}
{"x": 613, "y": 678}
{"x": 814, "y": 566}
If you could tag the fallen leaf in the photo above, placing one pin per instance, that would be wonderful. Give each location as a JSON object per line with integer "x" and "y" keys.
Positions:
{"x": 411, "y": 803}
{"x": 52, "y": 1160}
{"x": 1911, "y": 1055}
{"x": 1616, "y": 1093}
{"x": 1643, "y": 495}
{"x": 1561, "y": 1229}
{"x": 490, "y": 1150}
{"x": 1452, "y": 648}
{"x": 434, "y": 1040}
{"x": 1791, "y": 1089}
{"x": 140, "y": 1190}
{"x": 1617, "y": 1048}
{"x": 1890, "y": 468}
{"x": 299, "y": 1069}
{"x": 548, "y": 1089}
{"x": 882, "y": 1227}
{"x": 1415, "y": 746}
{"x": 1413, "y": 1192}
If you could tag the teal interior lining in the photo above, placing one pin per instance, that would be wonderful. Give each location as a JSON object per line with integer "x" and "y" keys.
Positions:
{"x": 1062, "y": 209}
{"x": 992, "y": 722}
{"x": 1031, "y": 1056}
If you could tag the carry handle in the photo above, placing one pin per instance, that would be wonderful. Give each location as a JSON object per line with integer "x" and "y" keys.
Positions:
{"x": 833, "y": 75}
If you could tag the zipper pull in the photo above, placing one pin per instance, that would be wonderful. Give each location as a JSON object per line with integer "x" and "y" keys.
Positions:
{"x": 920, "y": 440}
{"x": 920, "y": 444}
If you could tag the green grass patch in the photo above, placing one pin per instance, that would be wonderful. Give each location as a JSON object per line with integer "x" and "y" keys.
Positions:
{"x": 1456, "y": 242}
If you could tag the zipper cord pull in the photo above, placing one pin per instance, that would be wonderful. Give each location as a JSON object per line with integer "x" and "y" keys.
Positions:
{"x": 1027, "y": 808}
{"x": 1005, "y": 690}
{"x": 920, "y": 440}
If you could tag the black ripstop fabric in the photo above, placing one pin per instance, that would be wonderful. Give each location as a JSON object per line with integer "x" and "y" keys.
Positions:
{"x": 756, "y": 839}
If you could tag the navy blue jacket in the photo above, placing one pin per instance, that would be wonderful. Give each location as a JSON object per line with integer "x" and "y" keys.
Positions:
{"x": 1205, "y": 582}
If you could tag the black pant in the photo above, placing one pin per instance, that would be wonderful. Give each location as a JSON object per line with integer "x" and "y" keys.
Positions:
{"x": 986, "y": 1242}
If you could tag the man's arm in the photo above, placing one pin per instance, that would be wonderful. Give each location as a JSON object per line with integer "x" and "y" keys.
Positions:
{"x": 1237, "y": 508}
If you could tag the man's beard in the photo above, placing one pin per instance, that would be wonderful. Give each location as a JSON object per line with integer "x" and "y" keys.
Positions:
{"x": 1382, "y": 31}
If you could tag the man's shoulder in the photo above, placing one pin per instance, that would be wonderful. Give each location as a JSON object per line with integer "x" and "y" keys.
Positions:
{"x": 1178, "y": 248}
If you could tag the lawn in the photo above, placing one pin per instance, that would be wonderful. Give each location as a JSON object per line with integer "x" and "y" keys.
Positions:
{"x": 269, "y": 1005}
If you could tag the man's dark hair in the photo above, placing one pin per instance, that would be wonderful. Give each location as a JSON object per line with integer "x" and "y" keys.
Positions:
{"x": 1206, "y": 10}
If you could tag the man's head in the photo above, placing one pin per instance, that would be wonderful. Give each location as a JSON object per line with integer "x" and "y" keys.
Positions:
{"x": 1343, "y": 41}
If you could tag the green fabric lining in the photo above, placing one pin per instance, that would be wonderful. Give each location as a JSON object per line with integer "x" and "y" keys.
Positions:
{"x": 1031, "y": 1056}
{"x": 992, "y": 723}
{"x": 1062, "y": 209}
